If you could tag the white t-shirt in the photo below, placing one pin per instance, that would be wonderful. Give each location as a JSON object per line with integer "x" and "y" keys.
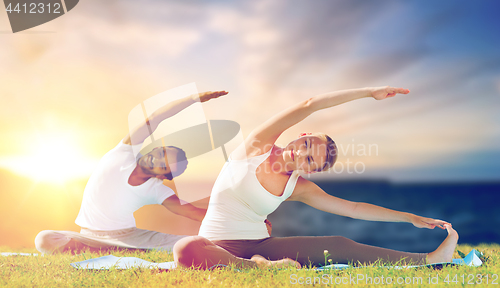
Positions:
{"x": 109, "y": 201}
{"x": 239, "y": 204}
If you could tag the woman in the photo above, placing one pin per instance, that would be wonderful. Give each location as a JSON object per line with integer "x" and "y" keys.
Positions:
{"x": 259, "y": 176}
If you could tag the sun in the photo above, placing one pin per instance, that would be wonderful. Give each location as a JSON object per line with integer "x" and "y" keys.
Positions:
{"x": 54, "y": 158}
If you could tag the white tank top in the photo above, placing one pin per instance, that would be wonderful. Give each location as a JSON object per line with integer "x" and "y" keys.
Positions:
{"x": 239, "y": 204}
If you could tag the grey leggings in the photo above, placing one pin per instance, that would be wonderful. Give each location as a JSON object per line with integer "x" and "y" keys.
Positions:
{"x": 200, "y": 252}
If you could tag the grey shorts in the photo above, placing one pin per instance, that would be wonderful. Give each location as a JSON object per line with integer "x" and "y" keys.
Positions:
{"x": 48, "y": 241}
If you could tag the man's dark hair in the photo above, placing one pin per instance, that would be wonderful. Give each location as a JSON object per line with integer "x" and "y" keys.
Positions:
{"x": 181, "y": 156}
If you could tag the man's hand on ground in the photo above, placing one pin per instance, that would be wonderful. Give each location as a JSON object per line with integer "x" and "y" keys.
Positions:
{"x": 269, "y": 226}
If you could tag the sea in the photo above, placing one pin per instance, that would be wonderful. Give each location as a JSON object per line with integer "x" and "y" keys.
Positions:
{"x": 472, "y": 208}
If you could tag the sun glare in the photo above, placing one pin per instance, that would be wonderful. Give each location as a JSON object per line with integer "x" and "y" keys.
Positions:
{"x": 51, "y": 158}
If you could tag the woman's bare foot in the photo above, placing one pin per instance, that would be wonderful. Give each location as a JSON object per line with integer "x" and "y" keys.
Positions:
{"x": 444, "y": 253}
{"x": 263, "y": 262}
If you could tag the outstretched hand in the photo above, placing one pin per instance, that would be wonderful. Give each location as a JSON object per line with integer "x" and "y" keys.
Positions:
{"x": 205, "y": 96}
{"x": 423, "y": 222}
{"x": 269, "y": 226}
{"x": 380, "y": 93}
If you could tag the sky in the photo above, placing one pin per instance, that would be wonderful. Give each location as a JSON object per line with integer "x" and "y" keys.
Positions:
{"x": 68, "y": 86}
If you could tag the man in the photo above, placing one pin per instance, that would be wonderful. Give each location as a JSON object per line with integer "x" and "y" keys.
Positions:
{"x": 121, "y": 184}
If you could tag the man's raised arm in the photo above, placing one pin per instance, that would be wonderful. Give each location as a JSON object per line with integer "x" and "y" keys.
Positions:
{"x": 143, "y": 131}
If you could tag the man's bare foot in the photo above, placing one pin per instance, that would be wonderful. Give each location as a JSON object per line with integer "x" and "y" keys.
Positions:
{"x": 444, "y": 253}
{"x": 263, "y": 262}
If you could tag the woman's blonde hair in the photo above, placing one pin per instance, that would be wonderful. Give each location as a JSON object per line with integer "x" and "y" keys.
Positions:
{"x": 331, "y": 151}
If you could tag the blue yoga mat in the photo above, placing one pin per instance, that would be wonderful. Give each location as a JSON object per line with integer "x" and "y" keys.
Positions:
{"x": 113, "y": 262}
{"x": 18, "y": 254}
{"x": 472, "y": 259}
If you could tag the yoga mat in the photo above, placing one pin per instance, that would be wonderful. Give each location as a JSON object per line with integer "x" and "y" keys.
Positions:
{"x": 18, "y": 254}
{"x": 472, "y": 259}
{"x": 110, "y": 261}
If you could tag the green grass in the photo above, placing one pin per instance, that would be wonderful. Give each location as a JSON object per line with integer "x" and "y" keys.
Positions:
{"x": 55, "y": 271}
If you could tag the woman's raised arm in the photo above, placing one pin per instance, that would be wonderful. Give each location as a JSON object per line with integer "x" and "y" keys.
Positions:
{"x": 260, "y": 139}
